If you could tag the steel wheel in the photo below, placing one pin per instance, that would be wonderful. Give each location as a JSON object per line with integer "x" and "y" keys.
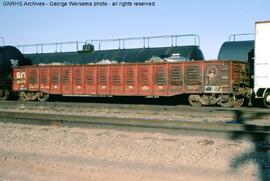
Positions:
{"x": 228, "y": 103}
{"x": 194, "y": 101}
{"x": 266, "y": 100}
{"x": 23, "y": 96}
{"x": 233, "y": 102}
{"x": 238, "y": 102}
{"x": 43, "y": 97}
{"x": 3, "y": 94}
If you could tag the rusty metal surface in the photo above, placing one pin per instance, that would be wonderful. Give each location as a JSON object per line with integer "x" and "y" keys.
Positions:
{"x": 144, "y": 79}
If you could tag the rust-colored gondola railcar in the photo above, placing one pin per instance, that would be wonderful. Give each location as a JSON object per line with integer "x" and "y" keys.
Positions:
{"x": 206, "y": 82}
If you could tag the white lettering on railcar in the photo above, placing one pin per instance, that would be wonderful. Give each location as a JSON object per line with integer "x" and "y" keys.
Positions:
{"x": 20, "y": 76}
{"x": 145, "y": 88}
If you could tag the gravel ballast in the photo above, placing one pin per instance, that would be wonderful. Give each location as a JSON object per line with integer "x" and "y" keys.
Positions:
{"x": 57, "y": 153}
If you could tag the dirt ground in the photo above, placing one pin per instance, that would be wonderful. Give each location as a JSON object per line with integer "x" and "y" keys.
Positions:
{"x": 57, "y": 153}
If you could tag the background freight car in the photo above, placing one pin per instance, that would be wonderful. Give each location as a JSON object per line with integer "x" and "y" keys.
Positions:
{"x": 188, "y": 50}
{"x": 9, "y": 57}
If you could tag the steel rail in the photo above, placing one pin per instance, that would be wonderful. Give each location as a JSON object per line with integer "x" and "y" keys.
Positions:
{"x": 91, "y": 105}
{"x": 91, "y": 121}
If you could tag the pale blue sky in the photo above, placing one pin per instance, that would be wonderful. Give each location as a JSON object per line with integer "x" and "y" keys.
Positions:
{"x": 213, "y": 20}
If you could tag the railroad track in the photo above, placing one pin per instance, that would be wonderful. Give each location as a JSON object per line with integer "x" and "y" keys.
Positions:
{"x": 149, "y": 112}
{"x": 128, "y": 123}
{"x": 87, "y": 105}
{"x": 149, "y": 117}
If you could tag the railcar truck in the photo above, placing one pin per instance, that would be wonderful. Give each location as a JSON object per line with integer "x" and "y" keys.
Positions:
{"x": 262, "y": 63}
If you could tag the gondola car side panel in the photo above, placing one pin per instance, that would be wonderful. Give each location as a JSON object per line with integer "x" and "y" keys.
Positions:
{"x": 67, "y": 80}
{"x": 44, "y": 78}
{"x": 78, "y": 80}
{"x": 20, "y": 79}
{"x": 55, "y": 80}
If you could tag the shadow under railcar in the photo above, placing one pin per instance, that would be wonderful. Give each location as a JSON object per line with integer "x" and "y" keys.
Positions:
{"x": 175, "y": 100}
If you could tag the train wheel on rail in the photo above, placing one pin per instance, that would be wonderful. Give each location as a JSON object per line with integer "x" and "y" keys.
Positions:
{"x": 233, "y": 101}
{"x": 3, "y": 94}
{"x": 23, "y": 96}
{"x": 194, "y": 100}
{"x": 266, "y": 100}
{"x": 42, "y": 97}
{"x": 239, "y": 102}
{"x": 228, "y": 102}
